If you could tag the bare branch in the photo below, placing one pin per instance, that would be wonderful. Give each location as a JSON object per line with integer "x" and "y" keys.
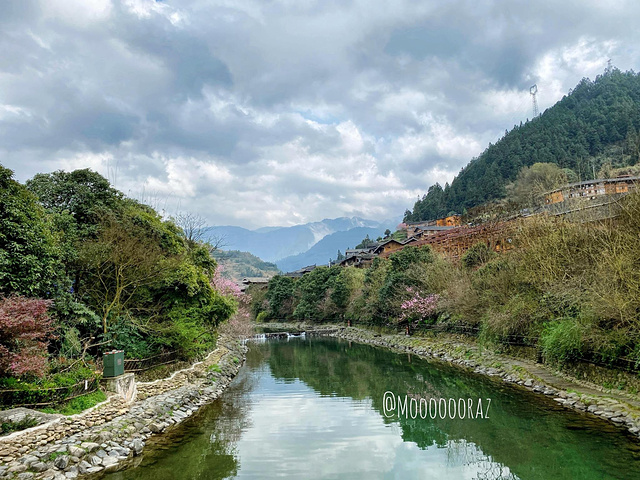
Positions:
{"x": 216, "y": 242}
{"x": 192, "y": 225}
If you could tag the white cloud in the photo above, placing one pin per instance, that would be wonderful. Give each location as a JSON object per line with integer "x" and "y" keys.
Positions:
{"x": 147, "y": 8}
{"x": 261, "y": 113}
{"x": 352, "y": 141}
{"x": 98, "y": 162}
{"x": 78, "y": 12}
{"x": 587, "y": 57}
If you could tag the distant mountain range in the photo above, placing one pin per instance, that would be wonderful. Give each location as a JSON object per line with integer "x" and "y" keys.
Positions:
{"x": 328, "y": 247}
{"x": 291, "y": 248}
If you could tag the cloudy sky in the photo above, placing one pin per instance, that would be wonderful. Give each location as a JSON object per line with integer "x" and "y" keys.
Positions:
{"x": 277, "y": 112}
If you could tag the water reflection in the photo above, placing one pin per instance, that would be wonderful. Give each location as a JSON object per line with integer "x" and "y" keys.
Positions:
{"x": 313, "y": 409}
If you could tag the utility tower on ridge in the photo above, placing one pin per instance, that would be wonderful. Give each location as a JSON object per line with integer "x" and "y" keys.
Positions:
{"x": 534, "y": 91}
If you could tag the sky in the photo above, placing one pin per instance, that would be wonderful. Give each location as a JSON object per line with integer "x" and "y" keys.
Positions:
{"x": 278, "y": 112}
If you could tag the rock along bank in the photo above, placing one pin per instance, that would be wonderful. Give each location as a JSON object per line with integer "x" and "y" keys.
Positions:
{"x": 104, "y": 437}
{"x": 616, "y": 407}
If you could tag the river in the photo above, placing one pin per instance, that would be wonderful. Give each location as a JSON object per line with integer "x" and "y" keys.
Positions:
{"x": 316, "y": 409}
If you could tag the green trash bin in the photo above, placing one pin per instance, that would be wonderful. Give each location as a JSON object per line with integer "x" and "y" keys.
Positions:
{"x": 113, "y": 363}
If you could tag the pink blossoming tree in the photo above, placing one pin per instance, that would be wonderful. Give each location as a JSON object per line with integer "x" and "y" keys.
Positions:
{"x": 418, "y": 307}
{"x": 224, "y": 285}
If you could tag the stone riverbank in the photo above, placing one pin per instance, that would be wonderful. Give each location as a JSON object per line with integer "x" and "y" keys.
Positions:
{"x": 618, "y": 407}
{"x": 104, "y": 437}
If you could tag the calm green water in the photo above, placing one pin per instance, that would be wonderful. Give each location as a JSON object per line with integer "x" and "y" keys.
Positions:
{"x": 307, "y": 409}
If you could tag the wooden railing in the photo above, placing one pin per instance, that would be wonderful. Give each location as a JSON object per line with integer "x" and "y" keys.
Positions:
{"x": 136, "y": 365}
{"x": 46, "y": 396}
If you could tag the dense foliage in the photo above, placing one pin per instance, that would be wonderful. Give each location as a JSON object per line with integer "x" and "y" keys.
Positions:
{"x": 375, "y": 295}
{"x": 110, "y": 271}
{"x": 29, "y": 247}
{"x": 570, "y": 290}
{"x": 573, "y": 134}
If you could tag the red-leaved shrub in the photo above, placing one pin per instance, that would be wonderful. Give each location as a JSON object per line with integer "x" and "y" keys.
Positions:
{"x": 25, "y": 329}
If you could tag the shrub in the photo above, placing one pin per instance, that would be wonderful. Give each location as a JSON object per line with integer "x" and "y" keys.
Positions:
{"x": 25, "y": 329}
{"x": 78, "y": 404}
{"x": 515, "y": 321}
{"x": 561, "y": 340}
{"x": 125, "y": 335}
{"x": 56, "y": 379}
{"x": 477, "y": 255}
{"x": 399, "y": 277}
{"x": 186, "y": 335}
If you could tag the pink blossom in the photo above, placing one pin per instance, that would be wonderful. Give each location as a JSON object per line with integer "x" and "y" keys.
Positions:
{"x": 419, "y": 306}
{"x": 224, "y": 285}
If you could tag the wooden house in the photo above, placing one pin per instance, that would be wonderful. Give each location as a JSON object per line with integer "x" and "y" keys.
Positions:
{"x": 362, "y": 260}
{"x": 299, "y": 273}
{"x": 590, "y": 189}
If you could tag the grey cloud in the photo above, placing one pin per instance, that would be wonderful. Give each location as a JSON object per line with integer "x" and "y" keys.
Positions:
{"x": 18, "y": 11}
{"x": 236, "y": 85}
{"x": 186, "y": 56}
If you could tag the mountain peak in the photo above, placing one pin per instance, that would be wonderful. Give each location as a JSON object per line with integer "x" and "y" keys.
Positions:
{"x": 276, "y": 243}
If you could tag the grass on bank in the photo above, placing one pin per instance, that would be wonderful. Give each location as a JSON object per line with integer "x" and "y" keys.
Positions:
{"x": 77, "y": 405}
{"x": 10, "y": 426}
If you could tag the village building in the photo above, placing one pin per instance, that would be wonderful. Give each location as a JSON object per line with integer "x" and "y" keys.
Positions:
{"x": 361, "y": 260}
{"x": 359, "y": 251}
{"x": 248, "y": 281}
{"x": 590, "y": 189}
{"x": 256, "y": 280}
{"x": 388, "y": 247}
{"x": 417, "y": 229}
{"x": 426, "y": 230}
{"x": 299, "y": 273}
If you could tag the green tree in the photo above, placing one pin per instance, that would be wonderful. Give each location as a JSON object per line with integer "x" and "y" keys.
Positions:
{"x": 535, "y": 180}
{"x": 120, "y": 262}
{"x": 280, "y": 296}
{"x": 29, "y": 248}
{"x": 74, "y": 201}
{"x": 84, "y": 194}
{"x": 366, "y": 242}
{"x": 320, "y": 295}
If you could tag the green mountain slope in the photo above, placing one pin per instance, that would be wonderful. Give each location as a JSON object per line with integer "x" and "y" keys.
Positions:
{"x": 574, "y": 134}
{"x": 238, "y": 265}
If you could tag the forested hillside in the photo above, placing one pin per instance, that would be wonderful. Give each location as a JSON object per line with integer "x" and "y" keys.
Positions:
{"x": 574, "y": 133}
{"x": 569, "y": 290}
{"x": 236, "y": 265}
{"x": 84, "y": 269}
